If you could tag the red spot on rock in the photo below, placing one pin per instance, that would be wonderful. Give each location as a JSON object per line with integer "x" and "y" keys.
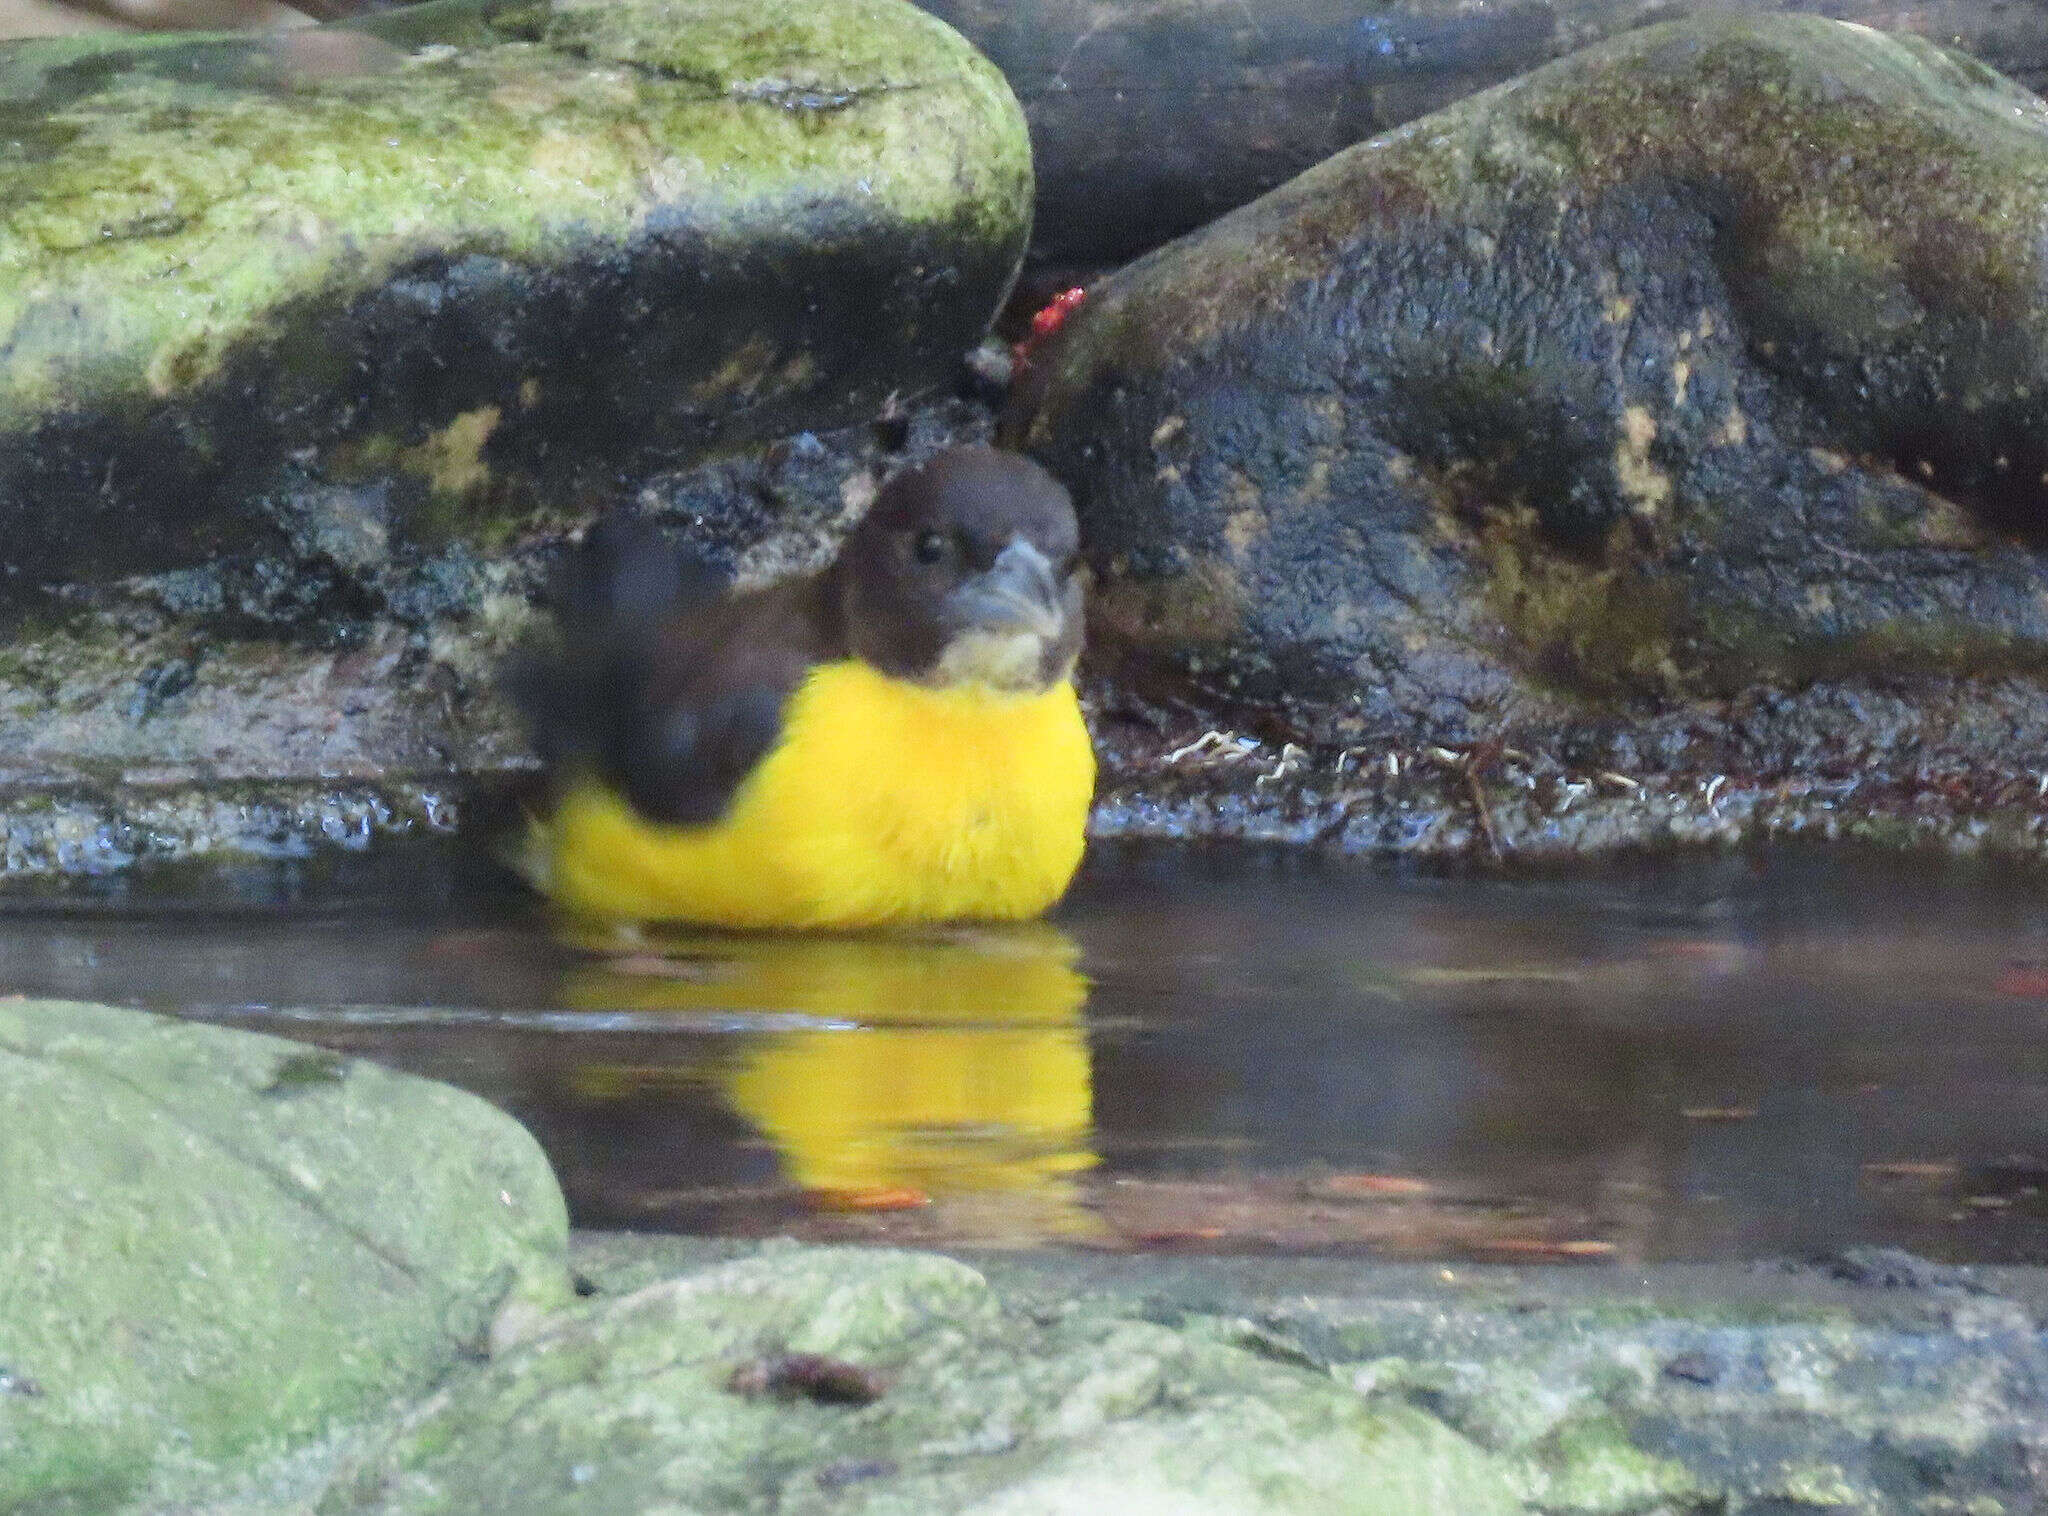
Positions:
{"x": 1049, "y": 318}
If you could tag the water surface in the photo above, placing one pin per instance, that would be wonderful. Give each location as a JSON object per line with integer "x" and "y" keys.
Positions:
{"x": 1733, "y": 1057}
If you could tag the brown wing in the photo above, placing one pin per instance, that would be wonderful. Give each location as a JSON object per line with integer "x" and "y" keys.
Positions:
{"x": 670, "y": 693}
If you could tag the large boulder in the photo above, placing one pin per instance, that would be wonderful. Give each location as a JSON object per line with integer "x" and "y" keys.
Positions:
{"x": 741, "y": 1378}
{"x": 313, "y": 345}
{"x": 1150, "y": 117}
{"x": 335, "y": 293}
{"x": 215, "y": 1244}
{"x": 1709, "y": 360}
{"x": 870, "y": 1381}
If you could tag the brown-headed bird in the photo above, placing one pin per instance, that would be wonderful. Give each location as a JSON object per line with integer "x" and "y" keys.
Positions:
{"x": 894, "y": 738}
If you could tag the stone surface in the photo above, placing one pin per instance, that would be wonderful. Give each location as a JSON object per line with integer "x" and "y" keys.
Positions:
{"x": 983, "y": 1408}
{"x": 215, "y": 1244}
{"x": 334, "y": 295}
{"x": 1672, "y": 412}
{"x": 275, "y": 709}
{"x": 1871, "y": 1381}
{"x": 1643, "y": 453}
{"x": 1589, "y": 388}
{"x": 1150, "y": 117}
{"x": 742, "y": 1376}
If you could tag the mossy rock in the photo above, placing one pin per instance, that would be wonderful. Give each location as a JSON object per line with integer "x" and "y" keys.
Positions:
{"x": 1175, "y": 112}
{"x": 632, "y": 1406}
{"x": 215, "y": 1245}
{"x": 272, "y": 709}
{"x": 1046, "y": 1382}
{"x": 342, "y": 291}
{"x": 1712, "y": 356}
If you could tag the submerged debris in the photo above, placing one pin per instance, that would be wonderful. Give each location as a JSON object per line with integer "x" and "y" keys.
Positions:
{"x": 1212, "y": 747}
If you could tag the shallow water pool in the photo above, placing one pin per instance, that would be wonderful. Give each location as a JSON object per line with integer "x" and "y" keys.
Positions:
{"x": 1730, "y": 1057}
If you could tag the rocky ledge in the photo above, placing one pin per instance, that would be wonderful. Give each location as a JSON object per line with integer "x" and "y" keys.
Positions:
{"x": 239, "y": 1275}
{"x": 1644, "y": 451}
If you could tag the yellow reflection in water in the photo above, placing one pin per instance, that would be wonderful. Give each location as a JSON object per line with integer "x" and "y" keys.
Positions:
{"x": 964, "y": 1068}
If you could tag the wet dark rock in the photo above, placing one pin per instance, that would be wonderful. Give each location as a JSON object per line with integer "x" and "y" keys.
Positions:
{"x": 1896, "y": 1269}
{"x": 1595, "y": 389}
{"x": 270, "y": 708}
{"x": 1150, "y": 117}
{"x": 354, "y": 295}
{"x": 1671, "y": 411}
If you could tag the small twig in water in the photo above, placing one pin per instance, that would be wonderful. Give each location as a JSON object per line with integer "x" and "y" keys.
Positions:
{"x": 1482, "y": 757}
{"x": 1346, "y": 756}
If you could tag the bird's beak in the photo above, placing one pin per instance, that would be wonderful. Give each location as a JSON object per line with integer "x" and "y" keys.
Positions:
{"x": 1019, "y": 592}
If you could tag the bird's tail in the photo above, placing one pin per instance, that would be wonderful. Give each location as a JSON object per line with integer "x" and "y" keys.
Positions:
{"x": 621, "y": 581}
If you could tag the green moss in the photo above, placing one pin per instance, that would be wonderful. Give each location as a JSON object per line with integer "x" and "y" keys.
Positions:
{"x": 991, "y": 1409}
{"x": 298, "y": 1071}
{"x": 1936, "y": 645}
{"x": 250, "y": 1267}
{"x": 1841, "y": 145}
{"x": 1872, "y": 175}
{"x": 1591, "y": 628}
{"x": 1589, "y": 1467}
{"x": 1823, "y": 1486}
{"x": 157, "y": 213}
{"x": 1741, "y": 646}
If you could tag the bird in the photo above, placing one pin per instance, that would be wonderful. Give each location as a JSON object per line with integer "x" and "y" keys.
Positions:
{"x": 895, "y": 738}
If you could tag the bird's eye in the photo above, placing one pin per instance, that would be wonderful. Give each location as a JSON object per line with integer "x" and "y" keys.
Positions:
{"x": 930, "y": 547}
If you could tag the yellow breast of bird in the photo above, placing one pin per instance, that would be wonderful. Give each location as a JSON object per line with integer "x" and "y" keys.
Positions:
{"x": 884, "y": 801}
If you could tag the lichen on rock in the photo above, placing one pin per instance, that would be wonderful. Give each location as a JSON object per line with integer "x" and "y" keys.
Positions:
{"x": 215, "y": 1245}
{"x": 489, "y": 257}
{"x": 1710, "y": 356}
{"x": 637, "y": 1403}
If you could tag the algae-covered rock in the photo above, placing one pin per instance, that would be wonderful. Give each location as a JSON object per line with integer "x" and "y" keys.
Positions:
{"x": 1043, "y": 1384}
{"x": 330, "y": 294}
{"x": 275, "y": 708}
{"x": 213, "y": 1244}
{"x": 1713, "y": 356}
{"x": 1175, "y": 111}
{"x": 665, "y": 1400}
